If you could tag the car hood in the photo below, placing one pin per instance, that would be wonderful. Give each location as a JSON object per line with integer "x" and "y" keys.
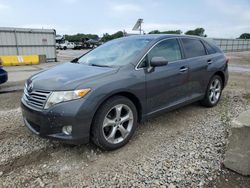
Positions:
{"x": 69, "y": 76}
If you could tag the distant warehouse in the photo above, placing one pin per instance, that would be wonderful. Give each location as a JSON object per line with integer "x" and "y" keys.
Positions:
{"x": 24, "y": 41}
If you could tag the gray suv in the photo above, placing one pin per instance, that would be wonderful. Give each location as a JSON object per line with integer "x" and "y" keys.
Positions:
{"x": 102, "y": 95}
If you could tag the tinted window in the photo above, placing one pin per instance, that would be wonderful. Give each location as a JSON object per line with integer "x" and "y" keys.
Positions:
{"x": 169, "y": 49}
{"x": 193, "y": 48}
{"x": 209, "y": 48}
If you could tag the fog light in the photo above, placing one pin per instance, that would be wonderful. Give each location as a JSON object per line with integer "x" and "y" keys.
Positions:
{"x": 67, "y": 130}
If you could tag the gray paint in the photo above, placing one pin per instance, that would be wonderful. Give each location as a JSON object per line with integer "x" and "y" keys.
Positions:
{"x": 162, "y": 89}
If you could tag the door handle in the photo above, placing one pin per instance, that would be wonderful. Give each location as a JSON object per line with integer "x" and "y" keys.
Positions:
{"x": 183, "y": 69}
{"x": 210, "y": 61}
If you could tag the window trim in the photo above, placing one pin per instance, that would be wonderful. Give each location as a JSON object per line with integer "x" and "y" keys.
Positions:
{"x": 180, "y": 46}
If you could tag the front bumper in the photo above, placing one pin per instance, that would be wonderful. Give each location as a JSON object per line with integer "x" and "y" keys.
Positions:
{"x": 3, "y": 76}
{"x": 49, "y": 123}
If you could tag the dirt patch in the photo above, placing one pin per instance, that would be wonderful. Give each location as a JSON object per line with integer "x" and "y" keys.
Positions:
{"x": 28, "y": 159}
{"x": 230, "y": 179}
{"x": 239, "y": 58}
{"x": 12, "y": 84}
{"x": 182, "y": 148}
{"x": 246, "y": 96}
{"x": 10, "y": 100}
{"x": 161, "y": 150}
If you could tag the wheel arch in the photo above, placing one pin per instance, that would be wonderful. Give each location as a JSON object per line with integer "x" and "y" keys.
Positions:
{"x": 220, "y": 74}
{"x": 128, "y": 95}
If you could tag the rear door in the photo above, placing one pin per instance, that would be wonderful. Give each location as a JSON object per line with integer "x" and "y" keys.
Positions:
{"x": 167, "y": 85}
{"x": 198, "y": 61}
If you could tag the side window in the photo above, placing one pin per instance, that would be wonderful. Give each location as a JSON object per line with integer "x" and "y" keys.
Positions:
{"x": 209, "y": 48}
{"x": 144, "y": 62}
{"x": 169, "y": 49}
{"x": 193, "y": 47}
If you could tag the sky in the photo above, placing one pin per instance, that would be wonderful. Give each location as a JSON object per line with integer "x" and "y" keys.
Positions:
{"x": 219, "y": 18}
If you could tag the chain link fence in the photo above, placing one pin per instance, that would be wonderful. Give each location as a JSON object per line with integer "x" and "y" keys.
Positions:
{"x": 233, "y": 45}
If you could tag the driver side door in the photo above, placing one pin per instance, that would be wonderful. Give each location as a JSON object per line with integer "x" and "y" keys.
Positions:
{"x": 166, "y": 86}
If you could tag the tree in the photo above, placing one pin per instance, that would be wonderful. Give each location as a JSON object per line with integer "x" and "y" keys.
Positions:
{"x": 172, "y": 32}
{"x": 154, "y": 32}
{"x": 245, "y": 36}
{"x": 198, "y": 31}
{"x": 165, "y": 32}
{"x": 106, "y": 37}
{"x": 79, "y": 36}
{"x": 117, "y": 35}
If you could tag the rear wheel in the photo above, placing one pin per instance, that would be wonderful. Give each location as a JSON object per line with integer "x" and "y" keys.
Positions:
{"x": 213, "y": 92}
{"x": 115, "y": 123}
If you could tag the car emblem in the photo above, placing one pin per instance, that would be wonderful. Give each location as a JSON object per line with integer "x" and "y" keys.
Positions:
{"x": 30, "y": 87}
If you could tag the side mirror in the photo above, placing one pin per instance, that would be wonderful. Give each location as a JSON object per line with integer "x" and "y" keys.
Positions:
{"x": 158, "y": 61}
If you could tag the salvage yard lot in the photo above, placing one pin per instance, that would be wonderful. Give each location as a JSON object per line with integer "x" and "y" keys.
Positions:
{"x": 181, "y": 148}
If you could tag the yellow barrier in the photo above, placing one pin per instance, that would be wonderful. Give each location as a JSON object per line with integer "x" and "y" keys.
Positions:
{"x": 19, "y": 60}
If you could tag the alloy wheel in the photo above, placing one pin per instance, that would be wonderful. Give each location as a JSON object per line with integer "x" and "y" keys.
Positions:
{"x": 118, "y": 123}
{"x": 215, "y": 91}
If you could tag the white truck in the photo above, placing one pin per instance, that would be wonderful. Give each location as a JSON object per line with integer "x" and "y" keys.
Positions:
{"x": 66, "y": 45}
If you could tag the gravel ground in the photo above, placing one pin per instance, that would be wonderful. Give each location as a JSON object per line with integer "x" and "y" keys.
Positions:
{"x": 182, "y": 148}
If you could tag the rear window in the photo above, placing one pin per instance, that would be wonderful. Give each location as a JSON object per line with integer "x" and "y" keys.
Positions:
{"x": 193, "y": 48}
{"x": 210, "y": 49}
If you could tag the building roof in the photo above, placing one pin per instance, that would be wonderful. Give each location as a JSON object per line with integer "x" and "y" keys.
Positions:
{"x": 26, "y": 30}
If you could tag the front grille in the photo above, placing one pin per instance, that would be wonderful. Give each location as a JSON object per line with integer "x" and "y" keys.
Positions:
{"x": 36, "y": 98}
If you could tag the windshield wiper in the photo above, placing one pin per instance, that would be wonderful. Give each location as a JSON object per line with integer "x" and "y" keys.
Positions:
{"x": 75, "y": 60}
{"x": 97, "y": 65}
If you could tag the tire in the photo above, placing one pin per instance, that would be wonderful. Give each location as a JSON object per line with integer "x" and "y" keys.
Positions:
{"x": 213, "y": 92}
{"x": 65, "y": 48}
{"x": 111, "y": 131}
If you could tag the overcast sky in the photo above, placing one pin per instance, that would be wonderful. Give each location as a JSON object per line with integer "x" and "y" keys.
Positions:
{"x": 220, "y": 18}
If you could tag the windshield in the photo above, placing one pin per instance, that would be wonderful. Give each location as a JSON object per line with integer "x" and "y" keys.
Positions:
{"x": 114, "y": 53}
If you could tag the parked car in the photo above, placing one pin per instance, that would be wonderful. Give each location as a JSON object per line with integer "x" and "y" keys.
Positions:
{"x": 57, "y": 45}
{"x": 87, "y": 43}
{"x": 92, "y": 43}
{"x": 66, "y": 45}
{"x": 78, "y": 46}
{"x": 102, "y": 95}
{"x": 3, "y": 74}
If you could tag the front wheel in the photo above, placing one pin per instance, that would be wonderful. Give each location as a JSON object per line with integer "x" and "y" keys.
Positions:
{"x": 213, "y": 92}
{"x": 115, "y": 123}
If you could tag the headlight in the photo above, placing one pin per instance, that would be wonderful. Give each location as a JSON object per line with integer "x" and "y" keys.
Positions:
{"x": 62, "y": 96}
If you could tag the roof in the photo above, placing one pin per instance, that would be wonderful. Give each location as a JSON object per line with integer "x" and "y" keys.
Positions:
{"x": 161, "y": 36}
{"x": 26, "y": 30}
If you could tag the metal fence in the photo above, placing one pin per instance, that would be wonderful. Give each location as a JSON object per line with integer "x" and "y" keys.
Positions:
{"x": 233, "y": 45}
{"x": 20, "y": 41}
